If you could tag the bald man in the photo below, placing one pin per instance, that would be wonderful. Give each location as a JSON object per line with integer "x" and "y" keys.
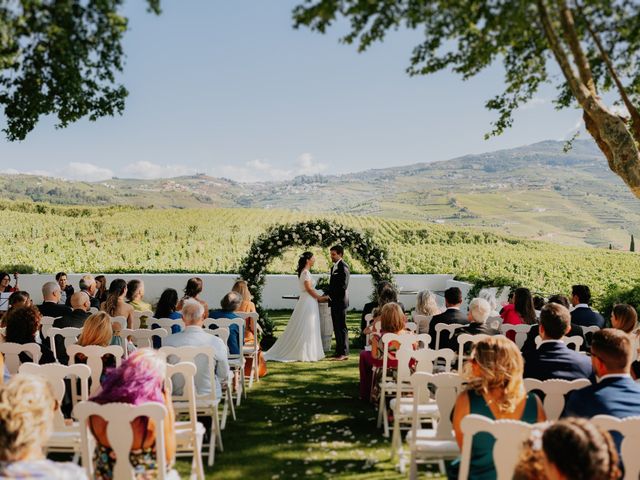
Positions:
{"x": 80, "y": 304}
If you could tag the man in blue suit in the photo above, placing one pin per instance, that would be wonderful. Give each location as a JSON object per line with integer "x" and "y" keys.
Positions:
{"x": 582, "y": 314}
{"x": 553, "y": 359}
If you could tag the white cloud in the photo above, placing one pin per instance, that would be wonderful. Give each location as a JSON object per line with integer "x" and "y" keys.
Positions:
{"x": 262, "y": 170}
{"x": 85, "y": 171}
{"x": 533, "y": 103}
{"x": 145, "y": 169}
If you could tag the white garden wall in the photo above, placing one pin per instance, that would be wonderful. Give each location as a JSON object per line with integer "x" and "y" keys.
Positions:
{"x": 215, "y": 286}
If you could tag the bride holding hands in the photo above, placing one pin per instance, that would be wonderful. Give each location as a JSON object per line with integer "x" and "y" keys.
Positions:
{"x": 301, "y": 340}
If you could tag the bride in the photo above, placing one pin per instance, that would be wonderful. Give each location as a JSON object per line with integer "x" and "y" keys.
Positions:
{"x": 301, "y": 341}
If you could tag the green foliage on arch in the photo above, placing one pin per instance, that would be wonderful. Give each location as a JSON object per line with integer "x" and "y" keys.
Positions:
{"x": 276, "y": 239}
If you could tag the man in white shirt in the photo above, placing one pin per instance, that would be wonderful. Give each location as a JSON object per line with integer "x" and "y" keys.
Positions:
{"x": 194, "y": 336}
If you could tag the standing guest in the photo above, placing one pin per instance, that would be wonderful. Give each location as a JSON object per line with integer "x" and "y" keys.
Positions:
{"x": 229, "y": 305}
{"x": 23, "y": 326}
{"x": 553, "y": 359}
{"x": 101, "y": 288}
{"x": 89, "y": 286}
{"x": 193, "y": 290}
{"x": 453, "y": 301}
{"x": 66, "y": 288}
{"x": 5, "y": 281}
{"x": 166, "y": 308}
{"x": 51, "y": 306}
{"x": 135, "y": 293}
{"x": 496, "y": 391}
{"x": 140, "y": 379}
{"x": 582, "y": 314}
{"x": 392, "y": 320}
{"x": 479, "y": 310}
{"x": 27, "y": 409}
{"x": 426, "y": 305}
{"x": 521, "y": 311}
{"x": 247, "y": 306}
{"x": 115, "y": 304}
{"x": 80, "y": 304}
{"x": 194, "y": 336}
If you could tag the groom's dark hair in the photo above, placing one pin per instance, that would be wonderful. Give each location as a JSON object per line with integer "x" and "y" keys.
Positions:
{"x": 338, "y": 249}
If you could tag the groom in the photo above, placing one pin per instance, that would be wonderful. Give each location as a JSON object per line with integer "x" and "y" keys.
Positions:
{"x": 339, "y": 301}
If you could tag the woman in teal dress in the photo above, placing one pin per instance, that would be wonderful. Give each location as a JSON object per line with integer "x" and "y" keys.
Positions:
{"x": 496, "y": 391}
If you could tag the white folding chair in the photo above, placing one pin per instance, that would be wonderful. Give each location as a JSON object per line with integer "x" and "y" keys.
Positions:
{"x": 221, "y": 332}
{"x": 93, "y": 310}
{"x": 463, "y": 339}
{"x": 65, "y": 437}
{"x": 629, "y": 428}
{"x": 94, "y": 354}
{"x": 521, "y": 332}
{"x": 590, "y": 329}
{"x": 45, "y": 324}
{"x": 574, "y": 342}
{"x": 422, "y": 321}
{"x": 236, "y": 360}
{"x": 119, "y": 323}
{"x": 166, "y": 323}
{"x": 449, "y": 327}
{"x": 206, "y": 403}
{"x": 429, "y": 445}
{"x": 137, "y": 318}
{"x": 554, "y": 392}
{"x": 189, "y": 433}
{"x": 494, "y": 322}
{"x": 12, "y": 353}
{"x": 412, "y": 327}
{"x": 252, "y": 351}
{"x": 120, "y": 435}
{"x": 142, "y": 337}
{"x": 509, "y": 435}
{"x": 69, "y": 334}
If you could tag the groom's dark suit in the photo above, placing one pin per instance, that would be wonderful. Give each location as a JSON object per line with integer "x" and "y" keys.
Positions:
{"x": 339, "y": 301}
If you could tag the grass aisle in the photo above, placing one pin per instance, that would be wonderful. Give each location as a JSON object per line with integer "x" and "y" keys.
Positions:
{"x": 304, "y": 420}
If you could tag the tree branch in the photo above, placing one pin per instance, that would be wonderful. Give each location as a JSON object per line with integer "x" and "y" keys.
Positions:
{"x": 572, "y": 39}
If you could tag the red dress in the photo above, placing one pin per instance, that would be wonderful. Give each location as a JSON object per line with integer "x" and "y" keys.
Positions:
{"x": 510, "y": 316}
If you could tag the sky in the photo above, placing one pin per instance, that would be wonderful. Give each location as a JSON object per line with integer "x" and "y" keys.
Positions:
{"x": 231, "y": 89}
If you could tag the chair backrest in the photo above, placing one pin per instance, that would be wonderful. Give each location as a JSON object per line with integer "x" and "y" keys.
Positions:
{"x": 45, "y": 324}
{"x": 94, "y": 354}
{"x": 187, "y": 370}
{"x": 120, "y": 434}
{"x": 120, "y": 321}
{"x": 449, "y": 327}
{"x": 412, "y": 327}
{"x": 12, "y": 353}
{"x": 93, "y": 310}
{"x": 422, "y": 321}
{"x": 448, "y": 386}
{"x": 554, "y": 391}
{"x": 221, "y": 332}
{"x": 509, "y": 435}
{"x": 70, "y": 335}
{"x": 463, "y": 339}
{"x": 166, "y": 323}
{"x": 254, "y": 319}
{"x": 368, "y": 317}
{"x": 494, "y": 322}
{"x": 421, "y": 360}
{"x": 574, "y": 342}
{"x": 142, "y": 337}
{"x": 226, "y": 323}
{"x": 138, "y": 315}
{"x": 55, "y": 374}
{"x": 176, "y": 355}
{"x": 590, "y": 329}
{"x": 629, "y": 428}
{"x": 521, "y": 332}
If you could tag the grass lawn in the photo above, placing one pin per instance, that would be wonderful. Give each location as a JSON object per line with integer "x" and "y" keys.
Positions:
{"x": 304, "y": 420}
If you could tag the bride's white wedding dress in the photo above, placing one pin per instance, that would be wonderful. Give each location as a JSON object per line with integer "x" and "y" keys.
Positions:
{"x": 301, "y": 340}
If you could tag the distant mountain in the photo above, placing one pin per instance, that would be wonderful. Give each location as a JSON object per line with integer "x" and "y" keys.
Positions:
{"x": 535, "y": 191}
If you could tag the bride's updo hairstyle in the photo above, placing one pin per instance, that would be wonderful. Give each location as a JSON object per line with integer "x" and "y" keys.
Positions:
{"x": 302, "y": 262}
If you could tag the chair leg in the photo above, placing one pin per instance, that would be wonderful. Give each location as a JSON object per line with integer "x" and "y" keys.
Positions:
{"x": 230, "y": 400}
{"x": 385, "y": 421}
{"x": 382, "y": 407}
{"x": 216, "y": 420}
{"x": 212, "y": 443}
{"x": 413, "y": 468}
{"x": 196, "y": 465}
{"x": 395, "y": 437}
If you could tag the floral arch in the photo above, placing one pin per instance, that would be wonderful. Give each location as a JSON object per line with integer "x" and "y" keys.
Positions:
{"x": 323, "y": 233}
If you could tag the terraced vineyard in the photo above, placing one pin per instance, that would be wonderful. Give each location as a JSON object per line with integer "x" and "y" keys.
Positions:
{"x": 120, "y": 239}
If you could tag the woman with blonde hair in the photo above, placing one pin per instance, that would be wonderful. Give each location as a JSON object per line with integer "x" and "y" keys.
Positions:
{"x": 426, "y": 305}
{"x": 495, "y": 390}
{"x": 27, "y": 408}
{"x": 97, "y": 331}
{"x": 247, "y": 306}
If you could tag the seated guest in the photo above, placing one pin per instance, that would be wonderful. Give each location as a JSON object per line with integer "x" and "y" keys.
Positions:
{"x": 393, "y": 320}
{"x": 27, "y": 409}
{"x": 560, "y": 299}
{"x": 370, "y": 306}
{"x": 194, "y": 336}
{"x": 495, "y": 390}
{"x": 101, "y": 288}
{"x": 615, "y": 393}
{"x": 16, "y": 300}
{"x": 97, "y": 331}
{"x": 51, "y": 306}
{"x": 115, "y": 304}
{"x": 494, "y": 320}
{"x": 521, "y": 311}
{"x": 23, "y": 326}
{"x": 65, "y": 288}
{"x": 574, "y": 330}
{"x": 193, "y": 290}
{"x": 5, "y": 283}
{"x": 624, "y": 317}
{"x": 88, "y": 286}
{"x": 386, "y": 294}
{"x": 166, "y": 308}
{"x": 135, "y": 293}
{"x": 139, "y": 379}
{"x": 80, "y": 304}
{"x": 247, "y": 306}
{"x": 453, "y": 301}
{"x": 538, "y": 303}
{"x": 229, "y": 304}
{"x": 553, "y": 359}
{"x": 571, "y": 448}
{"x": 479, "y": 310}
{"x": 582, "y": 314}
{"x": 426, "y": 305}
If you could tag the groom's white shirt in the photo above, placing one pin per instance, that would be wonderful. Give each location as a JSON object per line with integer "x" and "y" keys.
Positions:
{"x": 334, "y": 266}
